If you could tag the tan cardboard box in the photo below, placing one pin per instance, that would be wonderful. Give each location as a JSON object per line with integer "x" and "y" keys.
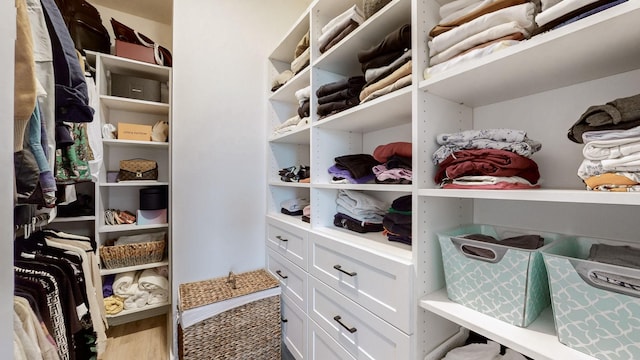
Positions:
{"x": 134, "y": 132}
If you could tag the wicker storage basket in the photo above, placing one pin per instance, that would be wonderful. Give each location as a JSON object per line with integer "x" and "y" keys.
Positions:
{"x": 218, "y": 321}
{"x": 118, "y": 256}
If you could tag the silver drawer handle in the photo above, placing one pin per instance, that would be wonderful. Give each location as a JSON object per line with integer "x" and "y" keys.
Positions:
{"x": 279, "y": 272}
{"x": 281, "y": 238}
{"x": 339, "y": 268}
{"x": 337, "y": 318}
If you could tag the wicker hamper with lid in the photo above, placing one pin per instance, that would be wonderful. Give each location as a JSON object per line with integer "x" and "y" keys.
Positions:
{"x": 234, "y": 317}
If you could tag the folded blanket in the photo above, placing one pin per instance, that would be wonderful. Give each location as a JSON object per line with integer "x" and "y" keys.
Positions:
{"x": 473, "y": 12}
{"x": 520, "y": 15}
{"x": 333, "y": 27}
{"x": 137, "y": 300}
{"x": 301, "y": 61}
{"x": 398, "y": 74}
{"x": 611, "y": 149}
{"x": 150, "y": 280}
{"x": 382, "y": 153}
{"x": 359, "y": 165}
{"x": 113, "y": 304}
{"x": 123, "y": 285}
{"x": 487, "y": 162}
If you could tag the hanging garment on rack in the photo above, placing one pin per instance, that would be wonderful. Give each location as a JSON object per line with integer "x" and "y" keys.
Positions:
{"x": 43, "y": 56}
{"x": 24, "y": 90}
{"x": 72, "y": 162}
{"x": 71, "y": 261}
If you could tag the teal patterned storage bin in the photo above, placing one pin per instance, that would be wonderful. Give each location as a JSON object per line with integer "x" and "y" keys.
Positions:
{"x": 513, "y": 287}
{"x": 592, "y": 316}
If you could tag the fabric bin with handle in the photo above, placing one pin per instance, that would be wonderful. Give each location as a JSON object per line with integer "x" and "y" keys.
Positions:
{"x": 232, "y": 317}
{"x": 596, "y": 305}
{"x": 511, "y": 285}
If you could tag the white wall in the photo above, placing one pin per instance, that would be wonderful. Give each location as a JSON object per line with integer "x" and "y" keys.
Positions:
{"x": 7, "y": 40}
{"x": 219, "y": 93}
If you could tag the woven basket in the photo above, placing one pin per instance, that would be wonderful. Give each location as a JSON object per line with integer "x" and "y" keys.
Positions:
{"x": 118, "y": 256}
{"x": 250, "y": 331}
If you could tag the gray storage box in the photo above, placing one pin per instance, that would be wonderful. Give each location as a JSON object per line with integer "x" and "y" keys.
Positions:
{"x": 135, "y": 87}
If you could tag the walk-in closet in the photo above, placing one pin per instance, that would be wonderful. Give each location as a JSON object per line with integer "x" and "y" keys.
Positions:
{"x": 392, "y": 179}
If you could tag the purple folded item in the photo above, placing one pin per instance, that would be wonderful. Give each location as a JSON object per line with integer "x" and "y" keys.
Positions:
{"x": 107, "y": 285}
{"x": 346, "y": 174}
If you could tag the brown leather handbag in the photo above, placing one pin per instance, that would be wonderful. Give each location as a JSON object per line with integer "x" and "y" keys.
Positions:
{"x": 137, "y": 169}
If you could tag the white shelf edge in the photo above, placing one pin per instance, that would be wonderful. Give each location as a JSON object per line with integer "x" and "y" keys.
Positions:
{"x": 118, "y": 102}
{"x": 373, "y": 242}
{"x": 134, "y": 183}
{"x": 298, "y": 136}
{"x": 538, "y": 340}
{"x": 365, "y": 187}
{"x": 137, "y": 143}
{"x": 289, "y": 220}
{"x": 69, "y": 219}
{"x": 543, "y": 195}
{"x": 289, "y": 184}
{"x": 138, "y": 310}
{"x": 132, "y": 227}
{"x": 133, "y": 268}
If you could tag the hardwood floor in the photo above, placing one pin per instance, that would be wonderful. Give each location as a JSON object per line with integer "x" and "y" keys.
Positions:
{"x": 140, "y": 340}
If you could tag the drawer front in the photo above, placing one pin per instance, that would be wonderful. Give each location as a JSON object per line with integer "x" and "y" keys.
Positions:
{"x": 380, "y": 284}
{"x": 323, "y": 347}
{"x": 293, "y": 280}
{"x": 288, "y": 241}
{"x": 294, "y": 328}
{"x": 362, "y": 334}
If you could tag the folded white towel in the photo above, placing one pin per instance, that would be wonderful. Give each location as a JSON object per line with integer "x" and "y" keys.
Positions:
{"x": 151, "y": 280}
{"x": 137, "y": 300}
{"x": 560, "y": 9}
{"x": 158, "y": 296}
{"x": 123, "y": 284}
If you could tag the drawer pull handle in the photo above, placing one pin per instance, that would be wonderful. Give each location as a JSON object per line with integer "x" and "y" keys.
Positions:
{"x": 339, "y": 268}
{"x": 283, "y": 320}
{"x": 281, "y": 238}
{"x": 337, "y": 318}
{"x": 279, "y": 272}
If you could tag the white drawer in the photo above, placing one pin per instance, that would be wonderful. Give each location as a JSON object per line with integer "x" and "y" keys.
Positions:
{"x": 323, "y": 347}
{"x": 380, "y": 284}
{"x": 361, "y": 333}
{"x": 293, "y": 280}
{"x": 288, "y": 241}
{"x": 294, "y": 328}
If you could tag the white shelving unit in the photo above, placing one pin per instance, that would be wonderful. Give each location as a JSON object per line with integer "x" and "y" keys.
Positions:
{"x": 541, "y": 86}
{"x": 308, "y": 252}
{"x": 125, "y": 195}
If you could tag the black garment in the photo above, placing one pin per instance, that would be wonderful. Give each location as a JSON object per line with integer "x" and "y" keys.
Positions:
{"x": 349, "y": 223}
{"x": 303, "y": 110}
{"x": 568, "y": 16}
{"x": 398, "y": 224}
{"x": 402, "y": 203}
{"x": 528, "y": 242}
{"x": 398, "y": 40}
{"x": 358, "y": 165}
{"x": 344, "y": 94}
{"x": 397, "y": 161}
{"x": 337, "y": 106}
{"x": 399, "y": 238}
{"x": 382, "y": 60}
{"x": 330, "y": 88}
{"x": 292, "y": 213}
{"x": 626, "y": 256}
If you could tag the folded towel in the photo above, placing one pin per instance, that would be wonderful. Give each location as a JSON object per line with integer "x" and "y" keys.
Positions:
{"x": 123, "y": 284}
{"x": 158, "y": 296}
{"x": 107, "y": 285}
{"x": 151, "y": 280}
{"x": 137, "y": 300}
{"x": 113, "y": 304}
